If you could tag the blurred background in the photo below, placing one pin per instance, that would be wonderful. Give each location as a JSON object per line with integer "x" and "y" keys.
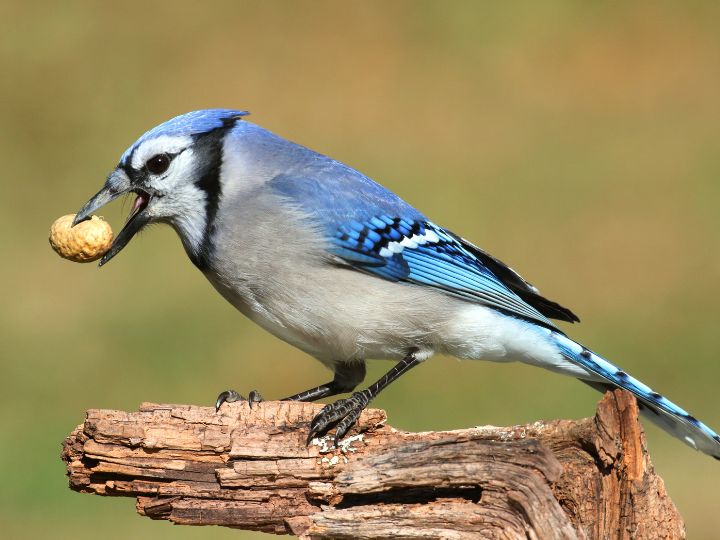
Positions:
{"x": 579, "y": 142}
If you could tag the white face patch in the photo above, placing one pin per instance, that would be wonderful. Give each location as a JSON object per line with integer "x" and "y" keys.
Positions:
{"x": 180, "y": 198}
{"x": 164, "y": 144}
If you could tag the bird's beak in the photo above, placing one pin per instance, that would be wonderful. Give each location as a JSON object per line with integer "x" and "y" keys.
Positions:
{"x": 117, "y": 184}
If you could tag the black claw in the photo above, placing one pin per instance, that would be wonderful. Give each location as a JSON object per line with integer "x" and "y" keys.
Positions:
{"x": 254, "y": 397}
{"x": 228, "y": 396}
{"x": 344, "y": 425}
{"x": 343, "y": 414}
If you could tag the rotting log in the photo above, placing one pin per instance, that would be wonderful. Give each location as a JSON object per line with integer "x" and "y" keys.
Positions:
{"x": 249, "y": 468}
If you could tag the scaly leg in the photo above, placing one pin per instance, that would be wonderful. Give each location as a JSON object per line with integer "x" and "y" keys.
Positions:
{"x": 345, "y": 412}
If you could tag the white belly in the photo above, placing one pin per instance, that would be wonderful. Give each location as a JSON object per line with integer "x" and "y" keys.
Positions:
{"x": 342, "y": 315}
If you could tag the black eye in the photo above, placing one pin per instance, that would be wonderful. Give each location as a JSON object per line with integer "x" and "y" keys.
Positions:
{"x": 158, "y": 164}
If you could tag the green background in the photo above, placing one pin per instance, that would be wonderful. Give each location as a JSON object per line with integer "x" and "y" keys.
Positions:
{"x": 578, "y": 141}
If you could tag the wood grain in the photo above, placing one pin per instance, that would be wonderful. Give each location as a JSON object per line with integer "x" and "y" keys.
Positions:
{"x": 249, "y": 468}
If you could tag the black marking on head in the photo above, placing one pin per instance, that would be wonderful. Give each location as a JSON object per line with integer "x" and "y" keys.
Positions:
{"x": 621, "y": 375}
{"x": 690, "y": 418}
{"x": 230, "y": 121}
{"x": 209, "y": 147}
{"x": 586, "y": 353}
{"x": 136, "y": 177}
{"x": 655, "y": 395}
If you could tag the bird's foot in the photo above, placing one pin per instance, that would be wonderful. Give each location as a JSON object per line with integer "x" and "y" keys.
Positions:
{"x": 342, "y": 414}
{"x": 228, "y": 396}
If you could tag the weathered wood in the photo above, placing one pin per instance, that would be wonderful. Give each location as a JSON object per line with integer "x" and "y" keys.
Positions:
{"x": 250, "y": 468}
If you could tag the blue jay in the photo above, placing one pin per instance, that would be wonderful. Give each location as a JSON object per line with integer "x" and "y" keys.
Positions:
{"x": 331, "y": 262}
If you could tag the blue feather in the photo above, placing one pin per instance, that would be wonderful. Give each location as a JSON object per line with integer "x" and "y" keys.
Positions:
{"x": 192, "y": 123}
{"x": 373, "y": 230}
{"x": 432, "y": 258}
{"x": 656, "y": 407}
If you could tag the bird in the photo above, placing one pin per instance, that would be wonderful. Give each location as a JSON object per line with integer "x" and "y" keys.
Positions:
{"x": 333, "y": 263}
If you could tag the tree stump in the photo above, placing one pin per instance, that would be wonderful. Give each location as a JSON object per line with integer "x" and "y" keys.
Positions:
{"x": 249, "y": 468}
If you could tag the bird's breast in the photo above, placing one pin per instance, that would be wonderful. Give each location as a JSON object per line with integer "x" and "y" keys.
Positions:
{"x": 273, "y": 265}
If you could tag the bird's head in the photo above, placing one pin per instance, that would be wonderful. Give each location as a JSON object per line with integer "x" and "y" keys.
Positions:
{"x": 174, "y": 171}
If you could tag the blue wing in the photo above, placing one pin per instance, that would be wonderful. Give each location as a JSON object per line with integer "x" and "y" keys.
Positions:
{"x": 420, "y": 252}
{"x": 373, "y": 230}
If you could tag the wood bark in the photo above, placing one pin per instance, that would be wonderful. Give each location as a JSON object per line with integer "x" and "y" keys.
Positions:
{"x": 250, "y": 468}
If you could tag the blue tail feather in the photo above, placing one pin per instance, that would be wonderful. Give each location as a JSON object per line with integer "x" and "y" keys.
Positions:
{"x": 657, "y": 408}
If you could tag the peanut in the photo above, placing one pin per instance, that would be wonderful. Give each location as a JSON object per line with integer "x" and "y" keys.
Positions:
{"x": 86, "y": 242}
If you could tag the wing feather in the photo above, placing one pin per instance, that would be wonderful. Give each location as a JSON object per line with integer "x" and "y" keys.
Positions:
{"x": 420, "y": 252}
{"x": 371, "y": 229}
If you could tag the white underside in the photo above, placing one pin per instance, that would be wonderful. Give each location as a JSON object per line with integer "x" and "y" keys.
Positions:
{"x": 342, "y": 315}
{"x": 480, "y": 333}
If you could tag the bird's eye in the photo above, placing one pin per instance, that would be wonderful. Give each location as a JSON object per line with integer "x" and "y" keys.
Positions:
{"x": 158, "y": 164}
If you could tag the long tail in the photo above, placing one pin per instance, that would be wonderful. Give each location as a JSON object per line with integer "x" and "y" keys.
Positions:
{"x": 655, "y": 407}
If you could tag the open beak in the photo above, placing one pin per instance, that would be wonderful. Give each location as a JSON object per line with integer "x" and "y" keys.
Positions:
{"x": 118, "y": 184}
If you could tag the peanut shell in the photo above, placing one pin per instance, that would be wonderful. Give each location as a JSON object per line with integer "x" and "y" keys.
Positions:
{"x": 86, "y": 242}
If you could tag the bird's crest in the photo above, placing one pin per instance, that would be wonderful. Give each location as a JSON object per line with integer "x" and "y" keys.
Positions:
{"x": 189, "y": 124}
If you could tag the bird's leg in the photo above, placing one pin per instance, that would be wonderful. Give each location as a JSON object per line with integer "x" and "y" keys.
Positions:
{"x": 319, "y": 392}
{"x": 347, "y": 377}
{"x": 345, "y": 412}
